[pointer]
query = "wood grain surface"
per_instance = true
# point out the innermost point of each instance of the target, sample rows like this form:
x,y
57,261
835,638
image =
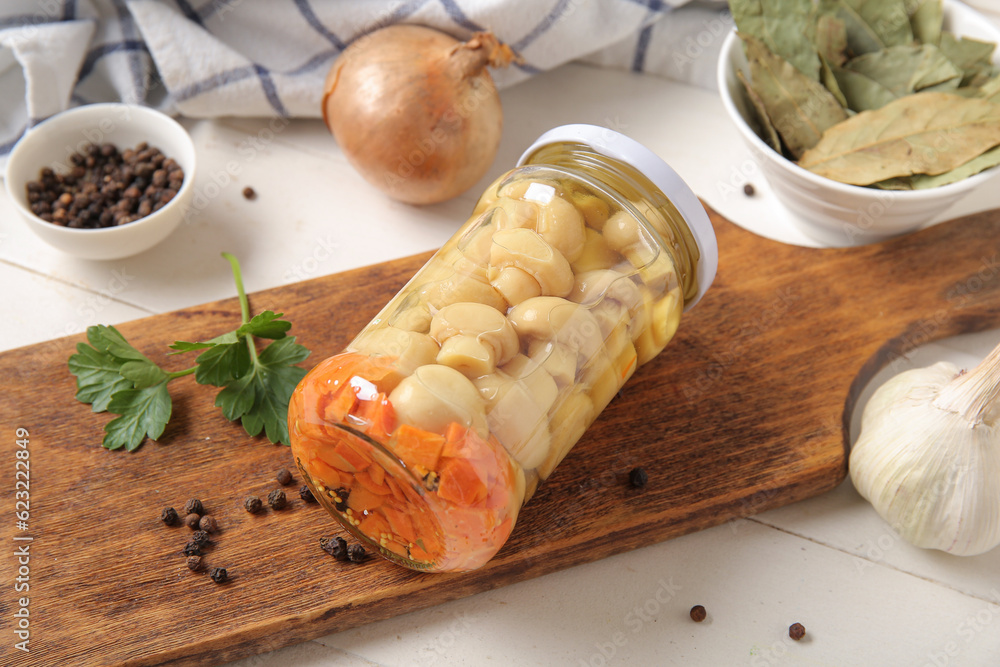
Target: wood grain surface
x,y
743,412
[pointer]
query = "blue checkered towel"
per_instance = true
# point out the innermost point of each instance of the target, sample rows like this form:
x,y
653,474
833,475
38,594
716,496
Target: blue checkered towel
x,y
207,58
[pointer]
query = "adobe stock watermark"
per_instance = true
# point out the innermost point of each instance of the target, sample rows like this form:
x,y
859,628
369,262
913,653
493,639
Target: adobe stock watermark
x,y
633,623
967,630
694,47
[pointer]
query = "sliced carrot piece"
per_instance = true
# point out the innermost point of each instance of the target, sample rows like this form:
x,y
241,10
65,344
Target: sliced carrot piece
x,y
361,499
397,491
395,547
400,523
374,525
461,483
378,476
340,404
379,414
322,471
366,479
417,447
354,459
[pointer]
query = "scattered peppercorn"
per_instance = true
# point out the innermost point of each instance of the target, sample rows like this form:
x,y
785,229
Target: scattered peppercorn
x,y
306,494
431,481
637,477
194,506
748,190
169,516
192,520
219,575
340,499
252,504
249,193
276,499
194,563
698,613
208,524
335,546
105,187
284,477
796,631
200,537
356,553
192,548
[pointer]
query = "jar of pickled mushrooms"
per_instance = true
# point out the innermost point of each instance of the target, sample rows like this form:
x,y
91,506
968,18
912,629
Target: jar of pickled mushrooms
x,y
436,424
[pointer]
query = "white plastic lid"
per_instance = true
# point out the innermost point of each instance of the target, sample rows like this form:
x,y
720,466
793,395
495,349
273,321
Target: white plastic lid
x,y
618,146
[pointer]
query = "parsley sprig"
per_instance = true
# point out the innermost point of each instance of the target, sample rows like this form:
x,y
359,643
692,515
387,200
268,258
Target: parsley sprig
x,y
113,376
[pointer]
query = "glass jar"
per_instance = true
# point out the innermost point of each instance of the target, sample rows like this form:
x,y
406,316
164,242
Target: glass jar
x,y
427,435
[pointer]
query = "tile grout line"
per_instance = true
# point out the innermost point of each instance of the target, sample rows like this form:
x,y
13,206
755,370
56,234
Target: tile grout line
x,y
82,288
884,564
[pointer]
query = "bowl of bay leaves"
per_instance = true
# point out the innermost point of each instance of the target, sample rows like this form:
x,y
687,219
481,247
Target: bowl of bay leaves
x,y
869,120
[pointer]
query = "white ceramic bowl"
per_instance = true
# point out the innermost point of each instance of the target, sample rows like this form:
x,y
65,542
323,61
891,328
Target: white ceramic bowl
x,y
50,143
834,212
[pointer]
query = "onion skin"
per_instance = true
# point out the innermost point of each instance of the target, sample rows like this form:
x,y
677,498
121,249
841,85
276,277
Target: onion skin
x,y
416,111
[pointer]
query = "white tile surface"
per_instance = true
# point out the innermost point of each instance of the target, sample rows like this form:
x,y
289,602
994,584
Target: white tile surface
x,y
865,597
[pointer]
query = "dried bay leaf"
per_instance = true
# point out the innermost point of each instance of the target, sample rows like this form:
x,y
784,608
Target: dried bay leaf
x,y
924,133
800,108
765,129
784,26
969,55
829,80
926,17
861,92
831,39
871,25
990,158
907,69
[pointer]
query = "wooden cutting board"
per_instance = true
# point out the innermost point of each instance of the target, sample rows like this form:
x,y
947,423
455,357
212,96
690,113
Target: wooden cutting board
x,y
744,411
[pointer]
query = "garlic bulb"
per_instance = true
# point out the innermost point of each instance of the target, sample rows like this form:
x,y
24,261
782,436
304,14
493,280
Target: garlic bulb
x,y
928,456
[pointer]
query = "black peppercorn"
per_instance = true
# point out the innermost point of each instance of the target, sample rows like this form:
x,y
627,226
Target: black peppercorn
x,y
252,504
356,553
306,494
208,524
748,190
219,575
796,631
276,499
335,546
192,548
284,477
637,477
698,613
340,499
249,193
191,521
169,516
194,506
194,563
200,537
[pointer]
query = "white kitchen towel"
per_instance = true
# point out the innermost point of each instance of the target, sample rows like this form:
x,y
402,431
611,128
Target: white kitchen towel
x,y
208,58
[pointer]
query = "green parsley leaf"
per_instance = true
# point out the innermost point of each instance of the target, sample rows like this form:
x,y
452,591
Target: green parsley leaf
x,y
221,364
265,325
142,412
259,398
113,376
97,376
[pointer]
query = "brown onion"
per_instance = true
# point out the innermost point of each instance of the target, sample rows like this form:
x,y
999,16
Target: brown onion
x,y
416,111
